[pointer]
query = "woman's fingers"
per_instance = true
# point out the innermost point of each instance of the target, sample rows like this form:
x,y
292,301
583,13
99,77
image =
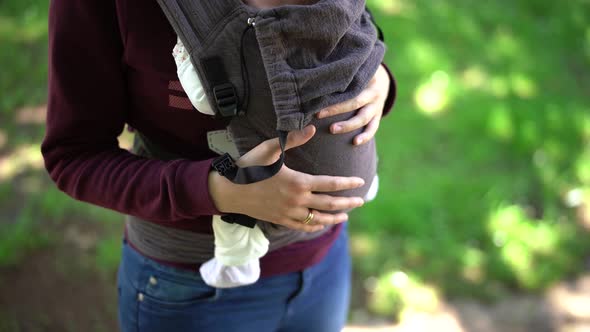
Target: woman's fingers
x,y
362,117
319,218
269,151
319,221
369,106
326,183
333,203
370,131
290,192
298,137
294,139
366,96
299,226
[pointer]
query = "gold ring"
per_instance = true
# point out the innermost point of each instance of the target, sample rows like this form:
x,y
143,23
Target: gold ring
x,y
309,218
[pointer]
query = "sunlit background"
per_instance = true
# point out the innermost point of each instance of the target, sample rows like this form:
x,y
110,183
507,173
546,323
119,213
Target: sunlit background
x,y
483,217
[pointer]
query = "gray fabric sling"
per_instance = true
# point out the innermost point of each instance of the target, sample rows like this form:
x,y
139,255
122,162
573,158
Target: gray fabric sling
x,y
177,245
284,65
270,71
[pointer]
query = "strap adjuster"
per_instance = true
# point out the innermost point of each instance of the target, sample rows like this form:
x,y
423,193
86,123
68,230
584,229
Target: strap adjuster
x,y
226,99
240,219
225,166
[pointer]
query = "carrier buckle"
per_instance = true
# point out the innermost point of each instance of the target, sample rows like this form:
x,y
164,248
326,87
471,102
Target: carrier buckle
x,y
226,99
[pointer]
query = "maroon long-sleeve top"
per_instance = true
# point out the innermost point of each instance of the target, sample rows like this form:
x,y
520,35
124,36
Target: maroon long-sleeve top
x,y
110,64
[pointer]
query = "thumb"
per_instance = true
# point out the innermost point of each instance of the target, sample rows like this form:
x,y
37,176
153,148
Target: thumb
x,y
269,151
299,137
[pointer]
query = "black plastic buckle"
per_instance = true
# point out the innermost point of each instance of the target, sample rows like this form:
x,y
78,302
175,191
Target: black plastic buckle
x,y
224,165
226,99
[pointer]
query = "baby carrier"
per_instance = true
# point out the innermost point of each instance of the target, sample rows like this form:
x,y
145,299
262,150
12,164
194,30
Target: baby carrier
x,y
269,71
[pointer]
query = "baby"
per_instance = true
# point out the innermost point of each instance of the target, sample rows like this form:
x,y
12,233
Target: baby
x,y
271,70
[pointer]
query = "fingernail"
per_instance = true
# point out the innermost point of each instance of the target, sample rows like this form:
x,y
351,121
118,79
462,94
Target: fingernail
x,y
360,182
360,202
336,129
321,114
359,140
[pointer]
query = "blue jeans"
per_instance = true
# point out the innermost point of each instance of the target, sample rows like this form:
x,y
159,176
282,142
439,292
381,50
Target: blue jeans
x,y
154,297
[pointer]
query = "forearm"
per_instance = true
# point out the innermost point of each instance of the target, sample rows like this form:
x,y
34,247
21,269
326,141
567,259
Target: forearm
x,y
87,110
223,193
150,189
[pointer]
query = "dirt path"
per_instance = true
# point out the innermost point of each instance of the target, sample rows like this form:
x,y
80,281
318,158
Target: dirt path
x,y
46,294
563,308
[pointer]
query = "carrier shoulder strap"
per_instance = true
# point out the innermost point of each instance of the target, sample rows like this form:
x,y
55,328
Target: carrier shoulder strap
x,y
223,92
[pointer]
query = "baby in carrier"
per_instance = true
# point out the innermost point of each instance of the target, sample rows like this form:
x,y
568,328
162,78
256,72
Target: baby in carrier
x,y
269,71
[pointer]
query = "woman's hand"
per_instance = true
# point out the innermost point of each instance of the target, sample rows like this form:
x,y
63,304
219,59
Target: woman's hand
x,y
369,103
287,197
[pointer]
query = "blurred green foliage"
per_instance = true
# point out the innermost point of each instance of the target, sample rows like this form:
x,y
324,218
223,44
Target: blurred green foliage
x,y
484,163
32,210
19,237
489,136
23,39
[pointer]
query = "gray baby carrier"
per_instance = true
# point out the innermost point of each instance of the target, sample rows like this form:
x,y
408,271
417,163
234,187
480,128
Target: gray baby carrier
x,y
269,71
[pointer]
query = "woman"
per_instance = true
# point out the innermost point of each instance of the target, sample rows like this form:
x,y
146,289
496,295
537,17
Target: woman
x,y
110,64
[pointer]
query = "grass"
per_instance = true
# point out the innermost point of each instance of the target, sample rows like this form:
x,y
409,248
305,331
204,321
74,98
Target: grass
x,y
489,137
491,130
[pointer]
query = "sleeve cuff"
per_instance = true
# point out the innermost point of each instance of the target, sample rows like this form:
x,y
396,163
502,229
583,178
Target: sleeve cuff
x,y
391,96
193,189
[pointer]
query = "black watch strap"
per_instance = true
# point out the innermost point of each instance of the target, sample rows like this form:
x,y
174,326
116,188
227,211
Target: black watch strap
x,y
240,219
226,167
